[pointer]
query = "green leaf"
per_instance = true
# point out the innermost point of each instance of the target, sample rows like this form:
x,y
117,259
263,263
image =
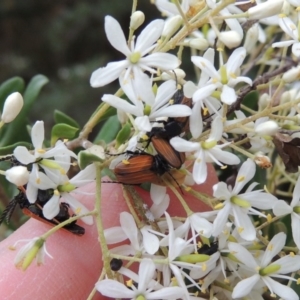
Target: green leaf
x,y
15,84
123,135
61,117
63,131
16,130
109,130
9,149
33,89
85,158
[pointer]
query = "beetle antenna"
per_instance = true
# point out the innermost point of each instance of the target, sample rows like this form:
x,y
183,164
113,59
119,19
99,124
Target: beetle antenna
x,y
169,173
118,182
7,212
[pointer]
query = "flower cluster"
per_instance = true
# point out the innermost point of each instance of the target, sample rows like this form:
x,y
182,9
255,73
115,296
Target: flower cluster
x,y
48,171
172,127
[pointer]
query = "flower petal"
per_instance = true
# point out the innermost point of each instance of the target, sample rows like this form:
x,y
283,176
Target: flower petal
x,y
245,174
157,193
288,263
196,123
235,60
200,168
143,123
105,75
23,155
206,66
128,225
283,291
245,286
149,36
38,134
121,104
221,219
51,208
204,92
114,289
150,241
115,35
228,95
273,248
296,229
146,273
78,208
243,223
183,145
164,61
114,235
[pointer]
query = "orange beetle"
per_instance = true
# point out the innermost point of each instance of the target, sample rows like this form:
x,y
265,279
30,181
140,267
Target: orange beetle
x,y
164,149
141,168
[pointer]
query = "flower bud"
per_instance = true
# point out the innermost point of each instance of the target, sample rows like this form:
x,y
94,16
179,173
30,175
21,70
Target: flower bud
x,y
137,19
263,101
265,10
230,38
180,74
17,175
198,43
292,75
171,26
12,106
288,96
267,128
251,38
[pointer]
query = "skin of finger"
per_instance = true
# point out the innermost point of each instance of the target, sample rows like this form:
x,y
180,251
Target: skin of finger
x,y
77,261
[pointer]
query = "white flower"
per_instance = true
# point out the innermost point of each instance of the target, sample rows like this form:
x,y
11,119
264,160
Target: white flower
x,y
141,241
12,107
225,79
152,106
63,188
35,248
179,247
37,179
207,151
264,10
135,61
147,288
199,225
240,205
255,131
281,208
207,105
169,9
264,269
291,29
17,175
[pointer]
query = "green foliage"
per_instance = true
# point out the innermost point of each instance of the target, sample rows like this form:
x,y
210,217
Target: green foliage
x,y
60,117
62,131
10,148
109,130
123,135
85,158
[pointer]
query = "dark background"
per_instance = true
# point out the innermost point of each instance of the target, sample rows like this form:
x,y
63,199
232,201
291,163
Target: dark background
x,y
65,41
